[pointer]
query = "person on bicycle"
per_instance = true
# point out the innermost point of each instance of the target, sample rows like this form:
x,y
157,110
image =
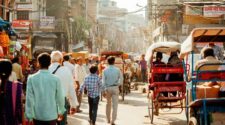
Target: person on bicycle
x,y
208,57
158,63
218,51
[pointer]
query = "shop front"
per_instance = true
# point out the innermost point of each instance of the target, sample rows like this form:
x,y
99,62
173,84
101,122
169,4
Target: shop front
x,y
44,42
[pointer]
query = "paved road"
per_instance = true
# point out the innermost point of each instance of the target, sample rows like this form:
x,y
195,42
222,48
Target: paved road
x,y
132,111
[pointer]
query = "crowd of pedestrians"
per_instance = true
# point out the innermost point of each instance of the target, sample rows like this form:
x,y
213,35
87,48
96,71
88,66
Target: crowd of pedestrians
x,y
54,87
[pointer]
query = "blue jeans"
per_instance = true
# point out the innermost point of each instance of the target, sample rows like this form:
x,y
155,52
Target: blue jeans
x,y
93,108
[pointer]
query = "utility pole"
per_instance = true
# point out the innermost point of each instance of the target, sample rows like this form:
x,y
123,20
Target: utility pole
x,y
70,26
86,10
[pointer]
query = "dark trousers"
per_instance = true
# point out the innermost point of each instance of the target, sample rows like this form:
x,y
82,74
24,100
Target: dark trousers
x,y
93,108
37,122
64,121
221,93
143,75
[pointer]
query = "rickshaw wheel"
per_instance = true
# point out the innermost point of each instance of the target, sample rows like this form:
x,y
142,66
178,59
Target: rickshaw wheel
x,y
193,121
187,109
150,106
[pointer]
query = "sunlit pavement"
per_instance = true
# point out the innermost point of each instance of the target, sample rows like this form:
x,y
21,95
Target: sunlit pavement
x,y
132,111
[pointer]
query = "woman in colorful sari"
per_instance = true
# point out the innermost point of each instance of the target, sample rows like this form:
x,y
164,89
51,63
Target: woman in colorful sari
x,y
10,96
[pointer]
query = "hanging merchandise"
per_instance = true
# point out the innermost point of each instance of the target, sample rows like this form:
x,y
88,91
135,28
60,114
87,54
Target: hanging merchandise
x,y
18,46
1,52
4,42
12,47
4,39
24,57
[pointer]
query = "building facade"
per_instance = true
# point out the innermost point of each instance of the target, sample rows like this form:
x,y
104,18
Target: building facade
x,y
179,17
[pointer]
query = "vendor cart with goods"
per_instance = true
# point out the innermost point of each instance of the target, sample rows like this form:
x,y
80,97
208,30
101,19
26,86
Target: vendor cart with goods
x,y
205,82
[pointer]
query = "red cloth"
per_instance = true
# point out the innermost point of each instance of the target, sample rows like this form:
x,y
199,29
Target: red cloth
x,y
1,52
5,50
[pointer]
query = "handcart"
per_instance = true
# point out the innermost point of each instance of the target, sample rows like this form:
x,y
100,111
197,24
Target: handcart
x,y
158,87
203,101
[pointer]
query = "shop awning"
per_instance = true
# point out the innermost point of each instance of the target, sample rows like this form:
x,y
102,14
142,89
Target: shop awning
x,y
45,35
4,23
79,45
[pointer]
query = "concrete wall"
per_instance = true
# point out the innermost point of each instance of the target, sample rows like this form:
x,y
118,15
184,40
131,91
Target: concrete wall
x,y
56,8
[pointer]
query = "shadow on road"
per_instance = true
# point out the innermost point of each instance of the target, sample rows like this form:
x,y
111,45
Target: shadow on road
x,y
172,120
99,114
135,98
133,102
167,119
80,118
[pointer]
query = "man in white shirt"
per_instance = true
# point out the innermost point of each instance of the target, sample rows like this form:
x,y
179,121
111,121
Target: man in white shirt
x,y
218,51
80,74
87,65
68,64
66,79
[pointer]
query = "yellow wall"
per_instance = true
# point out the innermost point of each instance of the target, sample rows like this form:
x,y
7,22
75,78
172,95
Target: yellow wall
x,y
196,19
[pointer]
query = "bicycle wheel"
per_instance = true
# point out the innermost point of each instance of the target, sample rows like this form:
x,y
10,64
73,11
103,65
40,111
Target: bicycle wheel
x,y
151,107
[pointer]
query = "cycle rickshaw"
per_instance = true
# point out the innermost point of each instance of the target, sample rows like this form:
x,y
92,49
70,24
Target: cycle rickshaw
x,y
119,62
158,87
203,102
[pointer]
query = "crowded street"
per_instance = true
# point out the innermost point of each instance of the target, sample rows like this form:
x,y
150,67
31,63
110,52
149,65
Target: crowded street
x,y
132,111
112,62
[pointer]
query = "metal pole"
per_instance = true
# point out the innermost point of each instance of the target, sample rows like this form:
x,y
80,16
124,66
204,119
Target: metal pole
x,y
71,36
177,25
155,17
86,9
70,21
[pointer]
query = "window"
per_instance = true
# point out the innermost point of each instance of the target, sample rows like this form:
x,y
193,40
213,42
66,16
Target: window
x,y
22,15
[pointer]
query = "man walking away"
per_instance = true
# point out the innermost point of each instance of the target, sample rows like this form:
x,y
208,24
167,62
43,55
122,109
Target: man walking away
x,y
66,79
44,100
93,84
17,69
112,77
143,65
68,64
80,74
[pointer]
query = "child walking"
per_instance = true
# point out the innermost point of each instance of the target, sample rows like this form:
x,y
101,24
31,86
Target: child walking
x,y
93,84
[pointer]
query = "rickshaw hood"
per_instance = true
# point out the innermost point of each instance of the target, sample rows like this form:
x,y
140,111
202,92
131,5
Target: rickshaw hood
x,y
164,47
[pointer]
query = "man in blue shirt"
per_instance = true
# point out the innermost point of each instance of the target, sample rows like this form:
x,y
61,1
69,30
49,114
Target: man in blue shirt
x,y
93,84
44,100
111,78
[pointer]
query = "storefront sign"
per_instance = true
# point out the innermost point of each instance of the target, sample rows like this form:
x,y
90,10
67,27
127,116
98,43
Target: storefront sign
x,y
214,11
47,22
23,41
191,10
24,7
21,24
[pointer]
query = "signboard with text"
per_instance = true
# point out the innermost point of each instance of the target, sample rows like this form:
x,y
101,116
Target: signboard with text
x,y
24,7
22,24
47,22
213,11
189,10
